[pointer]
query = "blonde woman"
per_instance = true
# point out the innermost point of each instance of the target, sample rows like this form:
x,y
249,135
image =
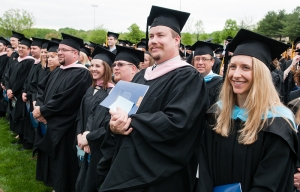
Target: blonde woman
x,y
250,138
84,57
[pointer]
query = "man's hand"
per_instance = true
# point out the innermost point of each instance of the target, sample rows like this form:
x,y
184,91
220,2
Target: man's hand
x,y
87,149
119,122
36,112
24,98
10,94
79,141
297,179
42,119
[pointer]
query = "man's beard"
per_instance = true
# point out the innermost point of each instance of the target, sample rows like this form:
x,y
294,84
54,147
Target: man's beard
x,y
63,62
156,57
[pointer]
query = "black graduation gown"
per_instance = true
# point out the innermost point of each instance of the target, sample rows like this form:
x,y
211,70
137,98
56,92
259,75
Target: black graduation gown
x,y
289,82
3,64
41,74
91,117
160,153
30,87
214,87
217,65
59,97
266,165
277,77
114,51
15,78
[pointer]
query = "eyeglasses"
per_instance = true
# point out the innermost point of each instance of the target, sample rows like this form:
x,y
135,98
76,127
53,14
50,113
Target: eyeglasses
x,y
63,50
119,64
203,59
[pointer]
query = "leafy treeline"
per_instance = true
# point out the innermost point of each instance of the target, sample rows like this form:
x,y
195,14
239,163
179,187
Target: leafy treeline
x,y
275,24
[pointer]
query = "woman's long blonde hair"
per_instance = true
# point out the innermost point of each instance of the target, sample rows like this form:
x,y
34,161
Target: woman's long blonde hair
x,y
261,98
85,58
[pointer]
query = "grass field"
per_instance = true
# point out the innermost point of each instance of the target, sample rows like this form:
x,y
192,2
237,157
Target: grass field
x,y
17,168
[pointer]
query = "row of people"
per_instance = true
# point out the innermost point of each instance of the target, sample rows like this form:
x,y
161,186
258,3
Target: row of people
x,y
245,135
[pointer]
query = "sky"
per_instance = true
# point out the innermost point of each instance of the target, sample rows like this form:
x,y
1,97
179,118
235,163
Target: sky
x,y
118,15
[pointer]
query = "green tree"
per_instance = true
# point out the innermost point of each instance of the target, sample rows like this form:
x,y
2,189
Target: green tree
x,y
16,20
186,39
217,37
230,29
292,24
98,35
272,24
135,34
199,29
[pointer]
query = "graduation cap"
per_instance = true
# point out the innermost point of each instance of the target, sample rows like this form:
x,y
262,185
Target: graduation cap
x,y
144,40
92,44
72,41
37,42
45,44
52,46
25,41
86,50
297,40
255,45
219,50
229,38
128,42
4,41
123,42
104,55
56,40
182,46
17,35
141,45
130,55
9,46
112,34
167,17
202,48
160,16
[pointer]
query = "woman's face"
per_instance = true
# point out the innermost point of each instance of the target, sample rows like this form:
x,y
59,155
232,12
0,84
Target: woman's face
x,y
52,60
240,74
81,58
146,63
44,54
97,69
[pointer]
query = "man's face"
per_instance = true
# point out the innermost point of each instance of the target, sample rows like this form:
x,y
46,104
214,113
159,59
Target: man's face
x,y
123,70
66,54
111,41
162,45
9,51
35,51
14,42
203,63
23,50
2,47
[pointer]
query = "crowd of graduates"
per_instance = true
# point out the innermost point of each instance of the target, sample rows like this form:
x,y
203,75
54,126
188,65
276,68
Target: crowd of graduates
x,y
213,115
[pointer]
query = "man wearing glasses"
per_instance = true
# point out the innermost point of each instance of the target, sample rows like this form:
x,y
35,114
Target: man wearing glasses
x,y
159,142
58,102
203,61
126,63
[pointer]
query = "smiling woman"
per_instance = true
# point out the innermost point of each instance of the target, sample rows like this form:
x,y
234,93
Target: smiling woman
x,y
250,134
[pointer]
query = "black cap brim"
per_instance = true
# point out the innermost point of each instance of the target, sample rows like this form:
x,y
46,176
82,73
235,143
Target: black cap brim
x,y
160,16
4,41
37,42
72,41
130,55
202,48
86,50
25,41
255,45
52,46
17,35
115,35
104,55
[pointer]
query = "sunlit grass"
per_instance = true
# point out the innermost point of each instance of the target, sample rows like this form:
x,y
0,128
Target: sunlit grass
x,y
17,168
